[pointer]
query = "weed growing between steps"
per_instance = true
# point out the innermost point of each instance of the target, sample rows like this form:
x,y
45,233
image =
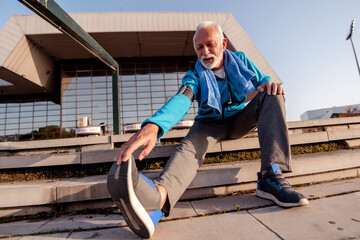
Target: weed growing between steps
x,y
256,154
74,171
53,173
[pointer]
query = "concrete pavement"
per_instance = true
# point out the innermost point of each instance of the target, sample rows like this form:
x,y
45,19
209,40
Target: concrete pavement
x,y
333,213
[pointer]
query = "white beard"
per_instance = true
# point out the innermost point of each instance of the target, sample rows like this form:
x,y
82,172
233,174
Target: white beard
x,y
210,65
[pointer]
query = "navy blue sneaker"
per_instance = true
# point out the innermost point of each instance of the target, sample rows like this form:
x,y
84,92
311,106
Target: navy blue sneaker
x,y
137,197
275,187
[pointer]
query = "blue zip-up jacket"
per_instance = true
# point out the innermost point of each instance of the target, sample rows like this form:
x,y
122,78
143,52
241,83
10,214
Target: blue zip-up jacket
x,y
233,102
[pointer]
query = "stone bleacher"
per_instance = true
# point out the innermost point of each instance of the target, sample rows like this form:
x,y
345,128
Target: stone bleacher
x,y
23,198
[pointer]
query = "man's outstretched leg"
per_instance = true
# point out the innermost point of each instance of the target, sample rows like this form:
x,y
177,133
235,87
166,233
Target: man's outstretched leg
x,y
139,200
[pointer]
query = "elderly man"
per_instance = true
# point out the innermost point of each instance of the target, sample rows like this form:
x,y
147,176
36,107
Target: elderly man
x,y
219,83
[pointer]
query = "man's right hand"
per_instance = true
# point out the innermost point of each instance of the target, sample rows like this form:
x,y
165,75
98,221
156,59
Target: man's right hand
x,y
146,136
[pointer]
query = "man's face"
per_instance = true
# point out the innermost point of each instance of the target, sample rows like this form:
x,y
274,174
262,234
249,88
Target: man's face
x,y
209,48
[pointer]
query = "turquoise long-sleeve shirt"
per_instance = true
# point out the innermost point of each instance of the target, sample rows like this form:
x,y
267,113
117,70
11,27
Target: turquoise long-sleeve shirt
x,y
233,102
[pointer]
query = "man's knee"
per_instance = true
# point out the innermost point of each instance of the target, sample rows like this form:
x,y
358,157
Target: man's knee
x,y
276,98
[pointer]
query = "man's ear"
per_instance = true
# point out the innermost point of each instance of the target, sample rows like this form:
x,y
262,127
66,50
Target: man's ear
x,y
224,43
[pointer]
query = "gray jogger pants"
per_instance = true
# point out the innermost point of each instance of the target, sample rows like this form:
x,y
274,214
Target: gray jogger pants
x,y
267,113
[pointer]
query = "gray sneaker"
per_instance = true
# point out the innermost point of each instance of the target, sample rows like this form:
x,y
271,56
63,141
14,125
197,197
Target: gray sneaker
x,y
275,187
137,197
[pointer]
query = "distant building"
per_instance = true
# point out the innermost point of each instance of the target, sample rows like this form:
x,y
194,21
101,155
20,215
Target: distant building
x,y
329,112
48,81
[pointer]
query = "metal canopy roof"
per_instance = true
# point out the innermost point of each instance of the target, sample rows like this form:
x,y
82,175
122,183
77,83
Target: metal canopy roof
x,y
30,48
119,44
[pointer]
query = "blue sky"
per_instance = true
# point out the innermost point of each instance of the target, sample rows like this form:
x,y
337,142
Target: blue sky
x,y
304,41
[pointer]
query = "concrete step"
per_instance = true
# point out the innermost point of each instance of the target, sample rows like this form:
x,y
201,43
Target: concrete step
x,y
23,198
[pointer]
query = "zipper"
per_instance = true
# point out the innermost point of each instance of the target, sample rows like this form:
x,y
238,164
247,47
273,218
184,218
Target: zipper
x,y
222,112
229,88
230,95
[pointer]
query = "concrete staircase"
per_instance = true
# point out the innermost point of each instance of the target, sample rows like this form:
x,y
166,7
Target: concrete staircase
x,y
26,198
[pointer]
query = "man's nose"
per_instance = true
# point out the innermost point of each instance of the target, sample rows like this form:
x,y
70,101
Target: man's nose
x,y
205,51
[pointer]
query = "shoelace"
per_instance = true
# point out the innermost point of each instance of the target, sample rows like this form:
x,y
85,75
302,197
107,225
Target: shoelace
x,y
278,179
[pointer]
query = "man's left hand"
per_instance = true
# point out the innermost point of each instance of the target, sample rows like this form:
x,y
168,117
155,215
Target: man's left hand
x,y
271,88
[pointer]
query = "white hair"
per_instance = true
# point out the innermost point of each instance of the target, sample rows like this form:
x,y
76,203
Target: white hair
x,y
207,24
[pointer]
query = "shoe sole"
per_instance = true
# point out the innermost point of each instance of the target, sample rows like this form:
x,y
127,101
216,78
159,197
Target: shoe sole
x,y
132,210
271,197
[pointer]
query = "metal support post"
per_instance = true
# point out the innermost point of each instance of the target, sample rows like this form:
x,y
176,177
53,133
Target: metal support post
x,y
352,44
357,62
115,93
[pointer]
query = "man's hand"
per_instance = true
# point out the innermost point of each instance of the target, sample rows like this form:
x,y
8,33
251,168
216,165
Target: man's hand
x,y
146,136
271,88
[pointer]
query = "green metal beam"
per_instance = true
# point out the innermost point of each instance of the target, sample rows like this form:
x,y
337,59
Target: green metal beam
x,y
56,16
115,94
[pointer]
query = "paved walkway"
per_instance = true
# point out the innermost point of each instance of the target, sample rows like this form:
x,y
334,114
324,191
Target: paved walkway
x,y
333,213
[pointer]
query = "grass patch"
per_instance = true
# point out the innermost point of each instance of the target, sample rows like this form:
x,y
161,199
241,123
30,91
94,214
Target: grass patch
x,y
53,173
232,156
320,147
